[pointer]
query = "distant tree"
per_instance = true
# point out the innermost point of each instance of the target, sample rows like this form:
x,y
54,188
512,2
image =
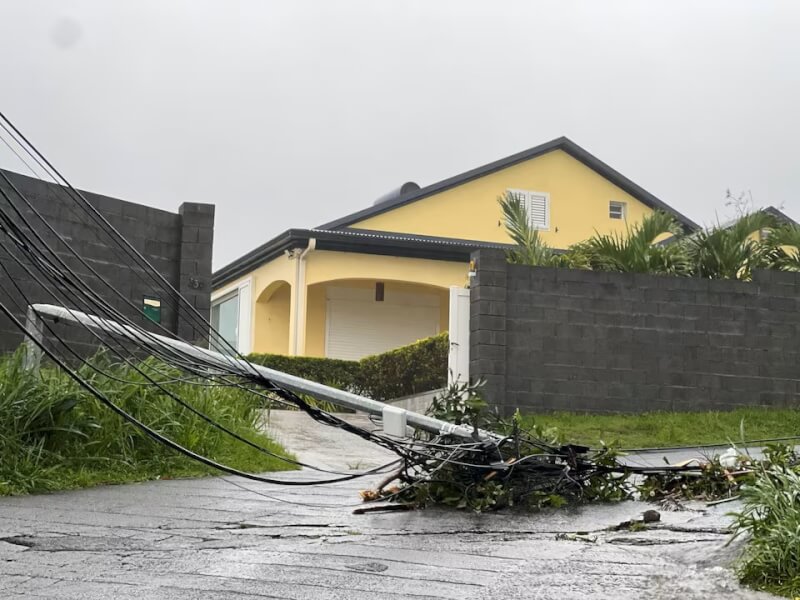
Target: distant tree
x,y
731,251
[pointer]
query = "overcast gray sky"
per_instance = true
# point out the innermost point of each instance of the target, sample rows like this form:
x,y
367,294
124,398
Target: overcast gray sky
x,y
290,114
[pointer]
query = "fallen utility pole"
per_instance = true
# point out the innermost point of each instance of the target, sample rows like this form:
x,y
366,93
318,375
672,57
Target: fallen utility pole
x,y
398,417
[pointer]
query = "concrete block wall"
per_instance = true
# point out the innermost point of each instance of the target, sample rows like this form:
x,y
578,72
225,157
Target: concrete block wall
x,y
559,339
177,245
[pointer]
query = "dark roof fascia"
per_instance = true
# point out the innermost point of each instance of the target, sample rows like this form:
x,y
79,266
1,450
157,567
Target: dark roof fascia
x,y
289,239
779,214
359,241
561,143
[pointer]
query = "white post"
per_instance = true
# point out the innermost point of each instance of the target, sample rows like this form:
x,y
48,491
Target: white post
x,y
458,359
34,326
245,324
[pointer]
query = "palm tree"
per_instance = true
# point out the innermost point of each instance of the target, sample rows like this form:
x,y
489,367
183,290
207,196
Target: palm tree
x,y
637,250
783,248
531,249
730,252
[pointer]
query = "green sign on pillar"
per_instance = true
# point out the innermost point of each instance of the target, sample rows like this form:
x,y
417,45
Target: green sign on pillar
x,y
152,309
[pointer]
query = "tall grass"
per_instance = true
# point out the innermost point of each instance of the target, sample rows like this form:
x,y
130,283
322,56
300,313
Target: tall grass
x,y
55,435
771,518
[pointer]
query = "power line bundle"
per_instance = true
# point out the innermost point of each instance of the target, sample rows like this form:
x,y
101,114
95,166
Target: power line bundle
x,y
31,247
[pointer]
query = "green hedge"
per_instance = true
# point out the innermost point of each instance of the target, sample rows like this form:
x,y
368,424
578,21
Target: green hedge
x,y
418,367
340,374
412,369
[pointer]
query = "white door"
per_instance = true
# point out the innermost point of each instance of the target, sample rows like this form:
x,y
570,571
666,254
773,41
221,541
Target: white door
x,y
359,326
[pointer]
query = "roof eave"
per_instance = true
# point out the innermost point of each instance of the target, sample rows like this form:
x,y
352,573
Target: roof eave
x,y
364,242
291,238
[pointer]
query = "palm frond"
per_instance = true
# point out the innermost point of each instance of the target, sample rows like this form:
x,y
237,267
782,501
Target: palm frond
x,y
783,248
530,248
731,252
636,251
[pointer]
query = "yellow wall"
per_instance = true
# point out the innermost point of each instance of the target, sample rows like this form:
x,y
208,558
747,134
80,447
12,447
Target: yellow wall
x,y
579,199
326,266
273,291
271,316
266,275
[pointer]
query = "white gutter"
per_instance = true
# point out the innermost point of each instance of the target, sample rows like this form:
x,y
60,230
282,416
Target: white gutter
x,y
300,295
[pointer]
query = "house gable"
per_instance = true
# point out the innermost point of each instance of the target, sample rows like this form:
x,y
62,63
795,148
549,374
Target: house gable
x,y
578,187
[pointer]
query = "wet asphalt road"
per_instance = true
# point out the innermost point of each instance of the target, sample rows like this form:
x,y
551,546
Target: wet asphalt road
x,y
226,538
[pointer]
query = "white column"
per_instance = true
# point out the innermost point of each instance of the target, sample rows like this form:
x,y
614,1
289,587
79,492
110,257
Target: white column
x,y
458,359
245,326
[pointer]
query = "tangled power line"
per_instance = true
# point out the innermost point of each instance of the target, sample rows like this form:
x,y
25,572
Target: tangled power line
x,y
464,459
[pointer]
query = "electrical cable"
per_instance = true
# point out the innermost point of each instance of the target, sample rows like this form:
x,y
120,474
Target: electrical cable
x,y
188,406
153,433
420,460
103,223
27,248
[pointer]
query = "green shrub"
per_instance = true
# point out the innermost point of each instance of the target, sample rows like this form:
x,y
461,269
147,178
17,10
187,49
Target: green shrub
x,y
771,517
418,367
55,435
341,374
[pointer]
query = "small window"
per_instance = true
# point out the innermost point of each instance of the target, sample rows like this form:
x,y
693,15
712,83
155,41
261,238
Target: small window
x,y
537,205
616,210
225,323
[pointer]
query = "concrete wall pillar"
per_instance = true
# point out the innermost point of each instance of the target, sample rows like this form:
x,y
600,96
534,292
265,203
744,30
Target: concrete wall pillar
x,y
197,237
487,356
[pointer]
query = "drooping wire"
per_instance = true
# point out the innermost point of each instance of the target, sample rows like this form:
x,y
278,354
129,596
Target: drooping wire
x,y
30,248
100,220
157,384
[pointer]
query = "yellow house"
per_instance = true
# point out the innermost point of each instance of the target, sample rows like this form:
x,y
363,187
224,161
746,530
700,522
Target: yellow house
x,y
379,278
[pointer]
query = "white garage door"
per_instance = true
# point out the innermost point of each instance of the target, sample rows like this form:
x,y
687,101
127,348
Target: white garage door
x,y
358,325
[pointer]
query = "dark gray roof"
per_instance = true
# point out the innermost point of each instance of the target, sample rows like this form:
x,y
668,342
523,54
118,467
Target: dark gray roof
x,y
770,210
780,215
354,240
561,143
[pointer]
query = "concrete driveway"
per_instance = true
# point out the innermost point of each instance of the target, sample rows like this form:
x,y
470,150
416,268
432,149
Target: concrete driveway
x,y
226,538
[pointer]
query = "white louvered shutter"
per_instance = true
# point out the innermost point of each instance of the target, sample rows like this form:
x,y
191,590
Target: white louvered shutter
x,y
537,205
539,210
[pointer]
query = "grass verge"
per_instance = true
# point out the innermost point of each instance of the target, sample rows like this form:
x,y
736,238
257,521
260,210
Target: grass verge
x,y
671,429
56,436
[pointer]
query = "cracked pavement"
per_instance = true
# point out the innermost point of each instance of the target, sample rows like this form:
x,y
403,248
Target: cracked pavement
x,y
214,539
